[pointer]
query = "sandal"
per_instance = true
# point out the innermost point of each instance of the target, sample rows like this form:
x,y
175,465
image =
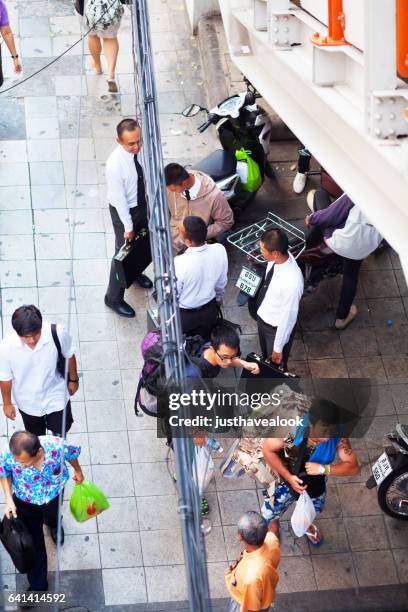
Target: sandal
x,y
205,507
112,87
312,534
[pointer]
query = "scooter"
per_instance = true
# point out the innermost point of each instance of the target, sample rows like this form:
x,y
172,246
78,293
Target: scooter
x,y
239,122
390,475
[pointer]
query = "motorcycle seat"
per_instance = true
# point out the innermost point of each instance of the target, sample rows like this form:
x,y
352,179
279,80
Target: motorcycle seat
x,y
218,165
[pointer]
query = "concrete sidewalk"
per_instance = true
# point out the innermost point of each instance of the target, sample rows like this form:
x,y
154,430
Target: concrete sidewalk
x,y
132,555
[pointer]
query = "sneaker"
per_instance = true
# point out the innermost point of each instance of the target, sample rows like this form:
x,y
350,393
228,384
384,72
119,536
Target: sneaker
x,y
310,199
299,182
342,323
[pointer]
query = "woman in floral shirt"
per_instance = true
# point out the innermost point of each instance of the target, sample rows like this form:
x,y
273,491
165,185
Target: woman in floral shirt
x,y
33,472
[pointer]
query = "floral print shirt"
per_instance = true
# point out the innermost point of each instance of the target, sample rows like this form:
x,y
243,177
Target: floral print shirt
x,y
40,486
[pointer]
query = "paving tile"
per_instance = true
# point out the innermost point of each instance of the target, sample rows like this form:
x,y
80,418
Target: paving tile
x,y
366,533
387,309
328,368
400,397
379,402
379,283
359,344
141,421
397,532
105,415
93,352
109,447
89,245
16,248
46,173
124,586
357,500
162,547
34,26
72,527
233,504
18,274
39,46
130,379
121,516
334,571
215,546
120,549
41,128
396,367
92,272
375,568
12,120
51,221
56,300
14,174
164,514
102,385
7,566
60,44
65,25
80,552
14,198
79,414
166,583
52,247
98,327
392,339
13,151
40,106
14,298
296,575
53,273
87,220
45,151
86,196
47,196
325,344
81,172
402,283
71,151
90,301
335,537
369,367
115,480
129,354
70,86
401,563
152,479
146,447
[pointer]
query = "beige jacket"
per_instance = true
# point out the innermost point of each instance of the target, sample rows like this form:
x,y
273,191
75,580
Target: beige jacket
x,y
210,204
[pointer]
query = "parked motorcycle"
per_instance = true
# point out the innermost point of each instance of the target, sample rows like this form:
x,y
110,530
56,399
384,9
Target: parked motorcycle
x,y
390,475
239,122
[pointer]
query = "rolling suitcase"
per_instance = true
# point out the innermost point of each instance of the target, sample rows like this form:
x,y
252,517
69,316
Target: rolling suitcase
x,y
133,258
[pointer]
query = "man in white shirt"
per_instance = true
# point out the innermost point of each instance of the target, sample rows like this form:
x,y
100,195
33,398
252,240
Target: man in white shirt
x,y
201,273
279,297
127,205
32,370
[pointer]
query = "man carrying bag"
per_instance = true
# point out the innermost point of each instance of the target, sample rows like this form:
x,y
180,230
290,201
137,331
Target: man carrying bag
x,y
128,209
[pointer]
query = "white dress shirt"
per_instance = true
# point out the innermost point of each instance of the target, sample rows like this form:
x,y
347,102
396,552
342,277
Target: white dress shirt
x,y
37,387
195,189
201,275
280,305
121,180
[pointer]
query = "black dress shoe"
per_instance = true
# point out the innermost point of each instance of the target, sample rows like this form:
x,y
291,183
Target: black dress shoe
x,y
144,281
54,533
121,308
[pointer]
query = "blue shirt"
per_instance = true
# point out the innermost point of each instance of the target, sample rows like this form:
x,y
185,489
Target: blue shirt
x,y
40,486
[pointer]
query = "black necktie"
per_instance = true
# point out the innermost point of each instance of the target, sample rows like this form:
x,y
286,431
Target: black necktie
x,y
188,196
141,190
264,288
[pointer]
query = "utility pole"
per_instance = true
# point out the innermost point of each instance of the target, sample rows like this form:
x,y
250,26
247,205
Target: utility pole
x,y
162,254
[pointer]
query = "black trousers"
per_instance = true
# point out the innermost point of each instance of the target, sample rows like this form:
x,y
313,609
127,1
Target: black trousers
x,y
267,335
115,292
351,267
53,422
199,322
34,517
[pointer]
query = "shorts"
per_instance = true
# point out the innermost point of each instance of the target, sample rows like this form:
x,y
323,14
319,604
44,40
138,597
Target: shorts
x,y
110,32
283,499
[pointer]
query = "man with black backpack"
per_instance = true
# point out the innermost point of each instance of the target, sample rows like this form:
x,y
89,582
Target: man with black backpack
x,y
32,368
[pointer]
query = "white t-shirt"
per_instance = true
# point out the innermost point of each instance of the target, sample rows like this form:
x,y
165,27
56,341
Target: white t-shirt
x,y
37,387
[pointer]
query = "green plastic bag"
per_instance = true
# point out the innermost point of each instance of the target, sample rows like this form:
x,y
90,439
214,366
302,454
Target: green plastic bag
x,y
87,500
248,170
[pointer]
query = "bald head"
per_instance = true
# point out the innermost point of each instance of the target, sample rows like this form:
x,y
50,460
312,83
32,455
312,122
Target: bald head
x,y
24,442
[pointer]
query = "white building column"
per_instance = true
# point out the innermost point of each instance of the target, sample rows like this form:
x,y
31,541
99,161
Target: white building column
x,y
200,8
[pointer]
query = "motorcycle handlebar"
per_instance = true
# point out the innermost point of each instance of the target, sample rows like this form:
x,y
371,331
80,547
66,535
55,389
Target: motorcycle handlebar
x,y
204,126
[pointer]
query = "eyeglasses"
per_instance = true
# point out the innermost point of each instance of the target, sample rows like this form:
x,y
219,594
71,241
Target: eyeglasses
x,y
228,357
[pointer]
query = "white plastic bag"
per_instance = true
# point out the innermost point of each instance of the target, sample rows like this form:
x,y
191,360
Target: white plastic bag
x,y
203,468
242,171
303,514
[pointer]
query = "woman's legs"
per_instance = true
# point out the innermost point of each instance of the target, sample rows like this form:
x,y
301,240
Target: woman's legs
x,y
351,269
111,50
95,49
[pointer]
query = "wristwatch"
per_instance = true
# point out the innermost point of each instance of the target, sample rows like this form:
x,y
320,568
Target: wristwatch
x,y
74,380
14,56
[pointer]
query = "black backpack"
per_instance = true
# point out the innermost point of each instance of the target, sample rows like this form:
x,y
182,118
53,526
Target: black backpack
x,y
18,542
152,379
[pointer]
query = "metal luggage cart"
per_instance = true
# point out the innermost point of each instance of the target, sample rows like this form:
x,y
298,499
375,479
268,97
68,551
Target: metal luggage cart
x,y
247,239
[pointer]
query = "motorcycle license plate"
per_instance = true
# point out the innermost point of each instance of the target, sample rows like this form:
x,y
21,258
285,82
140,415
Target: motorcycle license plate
x,y
248,281
381,468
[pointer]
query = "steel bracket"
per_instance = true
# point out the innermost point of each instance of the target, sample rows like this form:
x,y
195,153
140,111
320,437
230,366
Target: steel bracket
x,y
283,28
388,108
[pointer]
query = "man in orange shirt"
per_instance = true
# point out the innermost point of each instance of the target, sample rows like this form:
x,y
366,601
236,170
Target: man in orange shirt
x,y
252,580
